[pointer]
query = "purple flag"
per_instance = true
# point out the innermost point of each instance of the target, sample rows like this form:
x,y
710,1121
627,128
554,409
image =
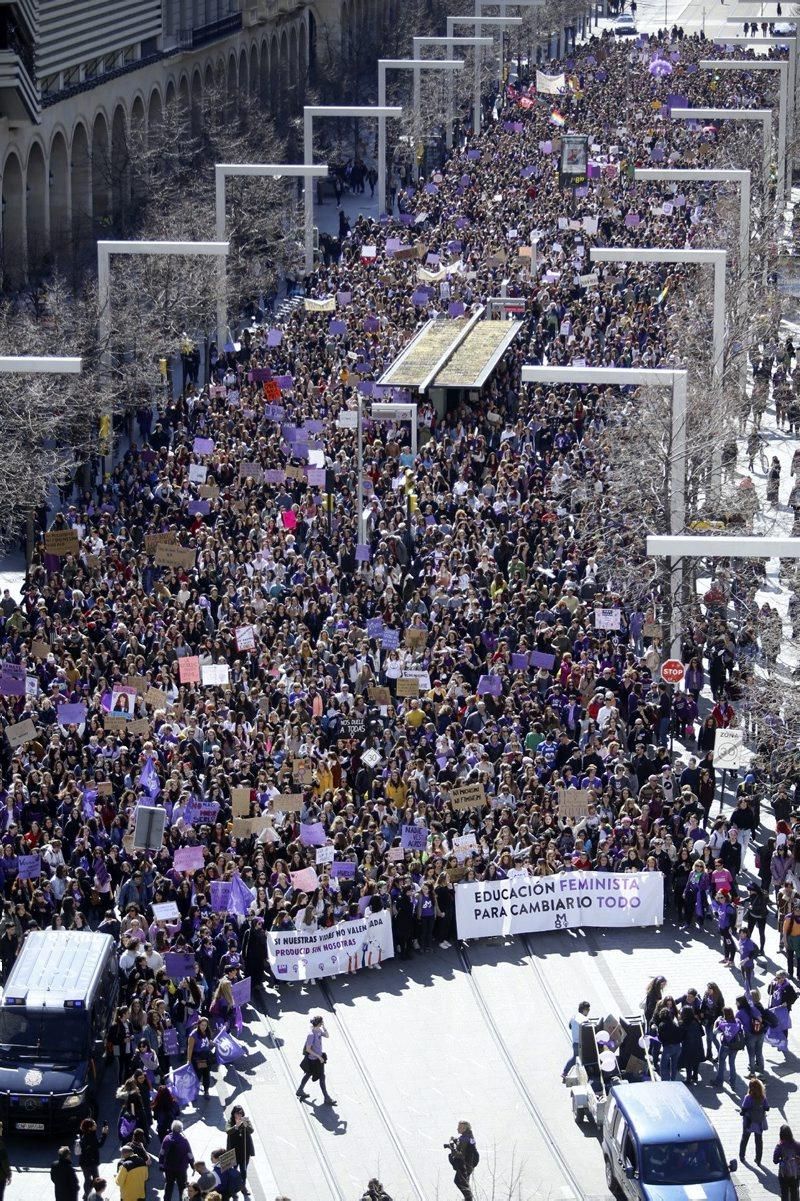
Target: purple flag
x,y
148,779
240,897
184,1084
229,1049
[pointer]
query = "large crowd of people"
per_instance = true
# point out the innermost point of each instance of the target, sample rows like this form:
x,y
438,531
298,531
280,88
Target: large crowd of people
x,y
224,642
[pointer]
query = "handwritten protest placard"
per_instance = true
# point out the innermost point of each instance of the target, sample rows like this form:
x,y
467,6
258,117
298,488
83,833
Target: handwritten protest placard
x,y
305,880
188,859
408,686
240,802
189,669
61,543
20,733
468,796
573,803
174,556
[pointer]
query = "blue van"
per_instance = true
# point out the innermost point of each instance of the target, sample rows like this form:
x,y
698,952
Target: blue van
x,y
56,1008
658,1145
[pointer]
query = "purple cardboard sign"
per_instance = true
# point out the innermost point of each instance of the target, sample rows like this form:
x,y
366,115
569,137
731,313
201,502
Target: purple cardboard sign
x,y
199,813
198,508
390,640
420,297
178,965
519,662
337,327
274,337
314,427
527,172
431,189
289,433
241,992
284,381
363,552
413,838
473,155
343,299
71,715
220,895
299,450
260,375
371,324
274,412
203,446
540,659
274,475
188,859
461,222
312,834
170,1039
346,871
375,627
29,867
491,685
12,680
365,387
456,309
316,477
632,220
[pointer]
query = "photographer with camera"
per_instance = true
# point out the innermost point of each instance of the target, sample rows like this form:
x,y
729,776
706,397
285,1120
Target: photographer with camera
x,y
314,1060
464,1158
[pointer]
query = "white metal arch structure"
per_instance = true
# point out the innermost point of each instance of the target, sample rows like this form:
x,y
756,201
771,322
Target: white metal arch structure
x,y
763,64
311,111
479,24
419,43
764,115
264,170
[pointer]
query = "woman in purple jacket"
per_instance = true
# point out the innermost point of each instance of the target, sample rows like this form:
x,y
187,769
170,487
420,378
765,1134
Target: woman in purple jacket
x,y
731,1043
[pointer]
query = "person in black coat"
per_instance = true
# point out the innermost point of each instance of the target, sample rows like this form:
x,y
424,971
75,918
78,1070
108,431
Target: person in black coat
x,y
404,923
239,1138
254,949
692,1050
64,1176
90,1143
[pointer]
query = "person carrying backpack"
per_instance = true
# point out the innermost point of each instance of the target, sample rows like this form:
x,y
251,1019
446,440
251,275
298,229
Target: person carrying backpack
x,y
787,1156
375,1192
464,1159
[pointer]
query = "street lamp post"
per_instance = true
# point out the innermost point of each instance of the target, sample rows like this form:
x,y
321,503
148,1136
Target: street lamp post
x,y
764,115
263,170
328,110
727,64
449,44
479,24
766,41
403,64
503,6
648,378
791,43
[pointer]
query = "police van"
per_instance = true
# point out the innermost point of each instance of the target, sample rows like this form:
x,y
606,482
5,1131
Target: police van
x,y
56,1008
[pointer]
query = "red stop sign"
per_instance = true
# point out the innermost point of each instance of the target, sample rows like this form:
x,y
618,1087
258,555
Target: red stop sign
x,y
672,671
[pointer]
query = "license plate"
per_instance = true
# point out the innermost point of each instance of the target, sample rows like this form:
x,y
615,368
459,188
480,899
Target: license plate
x,y
29,1125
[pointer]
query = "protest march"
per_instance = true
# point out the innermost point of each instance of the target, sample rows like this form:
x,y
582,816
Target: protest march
x,y
259,749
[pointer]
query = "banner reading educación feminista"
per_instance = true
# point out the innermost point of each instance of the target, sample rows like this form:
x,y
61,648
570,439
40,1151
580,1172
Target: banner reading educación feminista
x,y
529,904
345,947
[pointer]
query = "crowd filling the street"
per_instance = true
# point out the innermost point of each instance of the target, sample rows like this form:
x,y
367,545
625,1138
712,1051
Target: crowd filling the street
x,y
263,727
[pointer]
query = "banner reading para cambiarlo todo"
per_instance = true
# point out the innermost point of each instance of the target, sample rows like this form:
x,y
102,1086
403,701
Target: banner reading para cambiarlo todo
x,y
567,901
345,947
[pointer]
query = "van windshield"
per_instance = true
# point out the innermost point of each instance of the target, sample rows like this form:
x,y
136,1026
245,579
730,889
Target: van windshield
x,y
684,1163
58,1036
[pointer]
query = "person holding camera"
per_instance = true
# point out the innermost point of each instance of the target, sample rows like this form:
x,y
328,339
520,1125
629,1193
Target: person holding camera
x,y
314,1060
464,1158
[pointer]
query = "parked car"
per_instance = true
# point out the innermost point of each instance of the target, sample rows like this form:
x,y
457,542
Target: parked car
x,y
624,25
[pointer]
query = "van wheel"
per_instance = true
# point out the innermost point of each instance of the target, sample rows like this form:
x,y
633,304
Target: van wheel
x,y
613,1187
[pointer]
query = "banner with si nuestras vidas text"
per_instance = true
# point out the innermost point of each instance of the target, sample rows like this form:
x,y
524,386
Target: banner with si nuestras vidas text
x,y
525,904
345,947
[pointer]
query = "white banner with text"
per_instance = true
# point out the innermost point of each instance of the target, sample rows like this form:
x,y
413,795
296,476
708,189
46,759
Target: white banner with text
x,y
345,947
525,904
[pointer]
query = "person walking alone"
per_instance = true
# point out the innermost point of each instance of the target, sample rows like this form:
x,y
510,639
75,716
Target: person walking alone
x,y
175,1160
787,1156
575,1024
464,1159
239,1138
754,1118
314,1060
64,1176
